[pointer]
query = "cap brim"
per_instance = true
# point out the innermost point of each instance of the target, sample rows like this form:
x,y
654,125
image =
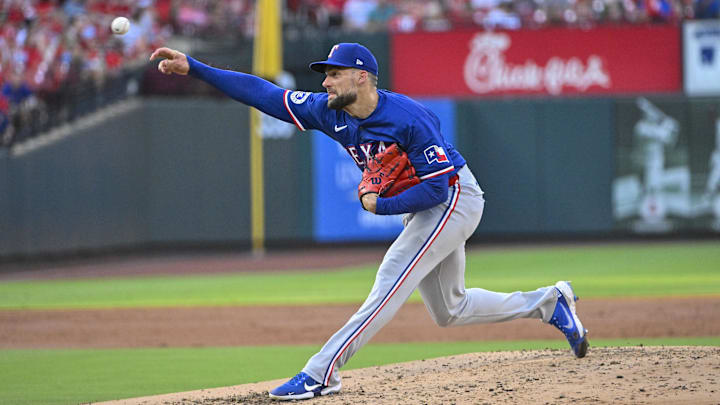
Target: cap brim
x,y
320,66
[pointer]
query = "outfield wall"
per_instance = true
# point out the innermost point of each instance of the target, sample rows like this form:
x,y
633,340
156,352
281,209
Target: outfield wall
x,y
175,172
160,173
545,165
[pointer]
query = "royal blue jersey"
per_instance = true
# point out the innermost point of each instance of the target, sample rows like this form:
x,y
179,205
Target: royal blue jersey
x,y
396,119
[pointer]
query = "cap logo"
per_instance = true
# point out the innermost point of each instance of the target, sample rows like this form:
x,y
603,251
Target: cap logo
x,y
358,62
335,47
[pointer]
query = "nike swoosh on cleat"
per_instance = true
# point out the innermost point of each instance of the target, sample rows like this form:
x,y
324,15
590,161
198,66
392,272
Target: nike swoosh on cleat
x,y
311,387
569,318
338,129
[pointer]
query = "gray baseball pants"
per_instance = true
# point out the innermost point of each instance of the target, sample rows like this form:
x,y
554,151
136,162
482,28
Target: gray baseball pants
x,y
429,255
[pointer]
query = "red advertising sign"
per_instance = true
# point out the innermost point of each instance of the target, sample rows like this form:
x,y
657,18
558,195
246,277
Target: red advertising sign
x,y
554,61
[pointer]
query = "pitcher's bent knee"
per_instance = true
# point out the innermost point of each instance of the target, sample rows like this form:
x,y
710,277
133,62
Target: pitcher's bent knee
x,y
445,321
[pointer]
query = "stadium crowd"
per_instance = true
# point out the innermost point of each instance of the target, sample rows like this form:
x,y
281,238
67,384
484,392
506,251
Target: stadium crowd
x,y
53,52
412,15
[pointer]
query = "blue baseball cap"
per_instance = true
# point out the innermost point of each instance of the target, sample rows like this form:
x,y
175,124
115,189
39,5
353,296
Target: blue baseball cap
x,y
351,55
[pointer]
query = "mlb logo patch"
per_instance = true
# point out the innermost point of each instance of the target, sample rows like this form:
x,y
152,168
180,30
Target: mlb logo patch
x,y
435,154
299,97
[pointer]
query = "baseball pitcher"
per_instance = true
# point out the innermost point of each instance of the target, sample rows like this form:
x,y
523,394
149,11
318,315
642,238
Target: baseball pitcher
x,y
408,168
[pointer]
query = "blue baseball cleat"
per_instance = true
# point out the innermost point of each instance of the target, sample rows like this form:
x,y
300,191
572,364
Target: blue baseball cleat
x,y
565,319
302,386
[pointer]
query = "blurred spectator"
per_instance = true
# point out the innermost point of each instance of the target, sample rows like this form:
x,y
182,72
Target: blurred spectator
x,y
21,103
658,10
16,90
192,17
434,17
331,12
380,17
501,16
459,13
73,8
356,14
6,129
408,17
319,13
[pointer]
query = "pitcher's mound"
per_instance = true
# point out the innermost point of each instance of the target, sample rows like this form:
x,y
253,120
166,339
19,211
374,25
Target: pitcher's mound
x,y
625,375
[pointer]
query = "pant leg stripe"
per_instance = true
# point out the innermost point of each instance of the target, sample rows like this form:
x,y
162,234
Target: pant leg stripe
x,y
438,228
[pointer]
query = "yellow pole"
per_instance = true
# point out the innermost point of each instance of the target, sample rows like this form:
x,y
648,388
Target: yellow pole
x,y
267,63
257,186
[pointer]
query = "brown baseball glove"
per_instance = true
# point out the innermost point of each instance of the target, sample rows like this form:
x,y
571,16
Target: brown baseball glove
x,y
388,173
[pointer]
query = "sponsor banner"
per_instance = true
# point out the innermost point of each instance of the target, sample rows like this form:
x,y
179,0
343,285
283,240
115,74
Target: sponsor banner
x,y
338,215
554,61
701,57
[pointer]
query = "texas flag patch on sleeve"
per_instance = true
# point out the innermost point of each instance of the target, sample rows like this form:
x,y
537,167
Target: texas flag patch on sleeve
x,y
435,153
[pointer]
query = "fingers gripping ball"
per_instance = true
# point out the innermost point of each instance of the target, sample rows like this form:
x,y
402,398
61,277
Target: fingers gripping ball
x,y
120,25
388,173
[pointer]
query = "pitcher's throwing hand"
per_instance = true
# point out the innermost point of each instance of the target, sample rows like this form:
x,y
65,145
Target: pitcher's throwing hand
x,y
175,61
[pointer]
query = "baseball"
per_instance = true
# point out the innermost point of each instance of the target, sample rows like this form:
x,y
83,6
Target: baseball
x,y
120,25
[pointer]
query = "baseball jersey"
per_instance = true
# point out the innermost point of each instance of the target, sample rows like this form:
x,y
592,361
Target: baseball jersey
x,y
396,119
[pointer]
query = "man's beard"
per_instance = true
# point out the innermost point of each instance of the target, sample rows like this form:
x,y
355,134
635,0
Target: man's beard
x,y
341,101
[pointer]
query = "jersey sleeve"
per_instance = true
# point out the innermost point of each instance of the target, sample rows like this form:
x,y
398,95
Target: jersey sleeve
x,y
427,151
307,110
245,88
304,109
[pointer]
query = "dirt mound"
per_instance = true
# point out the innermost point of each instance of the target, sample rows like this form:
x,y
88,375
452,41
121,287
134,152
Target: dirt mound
x,y
627,375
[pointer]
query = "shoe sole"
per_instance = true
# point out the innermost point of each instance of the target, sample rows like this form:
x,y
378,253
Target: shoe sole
x,y
306,395
292,397
582,350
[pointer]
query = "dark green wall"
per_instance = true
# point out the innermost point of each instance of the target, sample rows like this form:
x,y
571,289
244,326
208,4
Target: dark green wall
x,y
288,187
8,226
158,173
169,171
81,191
545,165
198,171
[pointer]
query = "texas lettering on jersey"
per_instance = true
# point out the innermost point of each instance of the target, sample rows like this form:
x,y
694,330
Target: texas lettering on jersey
x,y
361,153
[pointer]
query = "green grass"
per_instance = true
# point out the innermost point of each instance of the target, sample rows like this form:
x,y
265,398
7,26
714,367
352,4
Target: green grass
x,y
632,270
662,269
74,376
